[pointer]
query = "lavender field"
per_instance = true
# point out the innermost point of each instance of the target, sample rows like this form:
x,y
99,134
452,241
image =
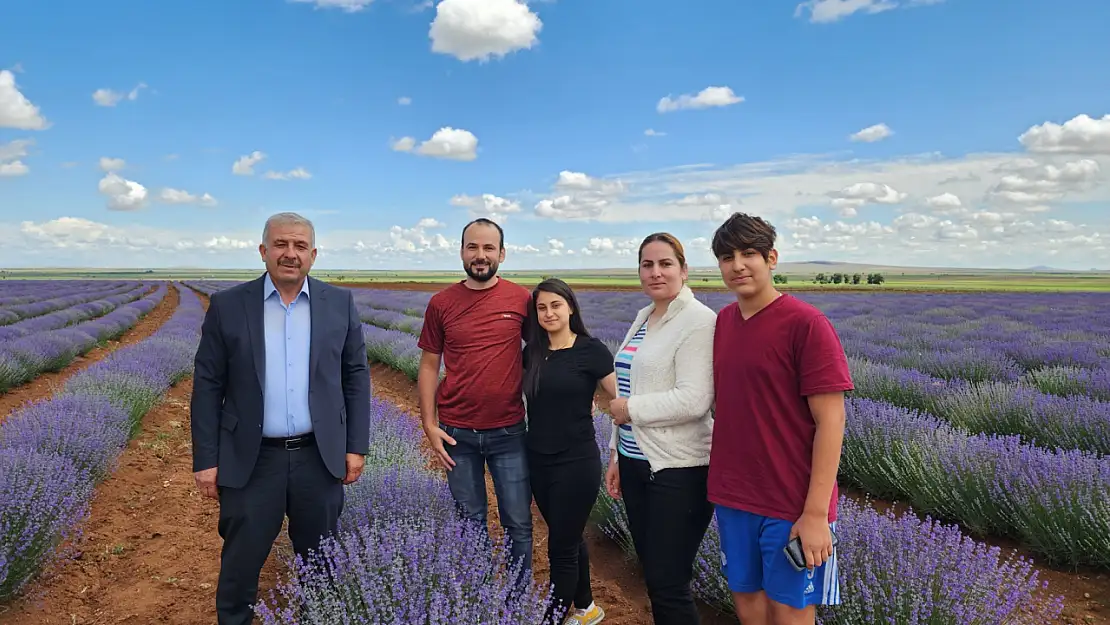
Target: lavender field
x,y
987,414
55,451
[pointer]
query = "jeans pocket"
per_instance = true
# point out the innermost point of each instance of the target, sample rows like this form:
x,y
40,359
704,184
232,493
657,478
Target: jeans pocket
x,y
516,429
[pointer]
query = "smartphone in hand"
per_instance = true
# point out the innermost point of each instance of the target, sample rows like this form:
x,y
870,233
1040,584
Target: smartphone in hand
x,y
794,554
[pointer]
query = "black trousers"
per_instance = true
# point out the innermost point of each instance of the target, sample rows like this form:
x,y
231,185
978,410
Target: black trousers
x,y
285,482
565,486
668,515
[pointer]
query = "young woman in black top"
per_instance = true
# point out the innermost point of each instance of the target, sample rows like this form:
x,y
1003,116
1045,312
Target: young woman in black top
x,y
563,367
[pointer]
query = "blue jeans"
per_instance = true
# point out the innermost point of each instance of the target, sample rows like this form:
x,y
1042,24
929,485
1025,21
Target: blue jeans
x,y
504,451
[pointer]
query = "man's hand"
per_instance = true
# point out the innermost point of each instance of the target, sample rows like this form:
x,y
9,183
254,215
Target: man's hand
x,y
355,463
206,482
619,409
436,438
816,538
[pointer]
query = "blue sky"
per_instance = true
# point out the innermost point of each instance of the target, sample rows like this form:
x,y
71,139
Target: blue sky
x,y
984,130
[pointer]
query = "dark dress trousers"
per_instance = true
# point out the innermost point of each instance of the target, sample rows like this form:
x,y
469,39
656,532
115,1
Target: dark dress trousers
x,y
260,482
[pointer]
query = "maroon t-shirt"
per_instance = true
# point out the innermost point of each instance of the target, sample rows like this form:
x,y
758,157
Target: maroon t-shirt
x,y
763,370
479,333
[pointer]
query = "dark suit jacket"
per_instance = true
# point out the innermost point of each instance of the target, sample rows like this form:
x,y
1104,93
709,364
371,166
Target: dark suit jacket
x,y
230,362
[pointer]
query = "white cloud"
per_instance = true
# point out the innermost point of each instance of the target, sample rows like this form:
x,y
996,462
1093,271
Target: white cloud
x,y
487,205
654,133
480,30
555,247
347,6
16,111
299,173
579,196
1031,183
1081,134
11,155
404,100
710,97
860,194
447,143
245,165
177,196
122,194
416,240
607,246
112,164
13,168
826,11
108,97
871,134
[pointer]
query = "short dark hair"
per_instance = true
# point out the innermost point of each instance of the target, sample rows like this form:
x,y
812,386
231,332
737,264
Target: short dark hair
x,y
743,232
486,222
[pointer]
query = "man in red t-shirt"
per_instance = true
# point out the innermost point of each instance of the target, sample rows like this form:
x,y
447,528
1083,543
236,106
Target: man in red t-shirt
x,y
780,374
475,416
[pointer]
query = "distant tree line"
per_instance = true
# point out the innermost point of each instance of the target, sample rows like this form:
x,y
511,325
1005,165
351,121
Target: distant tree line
x,y
843,278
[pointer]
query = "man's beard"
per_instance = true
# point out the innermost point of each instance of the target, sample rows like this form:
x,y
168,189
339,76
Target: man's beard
x,y
490,271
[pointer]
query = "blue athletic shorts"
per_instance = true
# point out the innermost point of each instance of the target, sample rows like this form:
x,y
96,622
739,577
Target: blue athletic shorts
x,y
752,559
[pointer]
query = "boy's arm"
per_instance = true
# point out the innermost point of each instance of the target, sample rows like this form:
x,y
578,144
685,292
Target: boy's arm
x,y
829,415
824,377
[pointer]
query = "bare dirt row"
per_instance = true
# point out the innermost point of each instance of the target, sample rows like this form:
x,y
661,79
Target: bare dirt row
x,y
46,384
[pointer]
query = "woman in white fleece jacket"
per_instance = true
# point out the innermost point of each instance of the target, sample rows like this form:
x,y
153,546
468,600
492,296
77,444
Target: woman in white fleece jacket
x,y
664,425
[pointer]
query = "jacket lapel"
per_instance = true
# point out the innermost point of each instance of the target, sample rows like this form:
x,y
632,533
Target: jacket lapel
x,y
316,306
256,327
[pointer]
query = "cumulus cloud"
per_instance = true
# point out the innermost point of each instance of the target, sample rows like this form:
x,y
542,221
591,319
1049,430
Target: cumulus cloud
x,y
579,196
871,134
447,143
111,164
1081,134
177,196
710,97
481,30
245,165
487,205
16,111
11,155
122,194
109,98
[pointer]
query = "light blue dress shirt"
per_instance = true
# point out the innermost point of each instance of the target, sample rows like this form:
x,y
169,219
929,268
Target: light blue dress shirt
x,y
288,334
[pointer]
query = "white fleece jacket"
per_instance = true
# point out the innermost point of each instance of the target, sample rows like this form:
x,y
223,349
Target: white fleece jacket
x,y
671,402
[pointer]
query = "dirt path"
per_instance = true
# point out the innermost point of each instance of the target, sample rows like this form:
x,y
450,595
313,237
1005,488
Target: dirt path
x,y
617,583
46,384
150,551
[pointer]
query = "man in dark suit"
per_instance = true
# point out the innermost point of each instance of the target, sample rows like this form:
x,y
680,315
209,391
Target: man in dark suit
x,y
280,410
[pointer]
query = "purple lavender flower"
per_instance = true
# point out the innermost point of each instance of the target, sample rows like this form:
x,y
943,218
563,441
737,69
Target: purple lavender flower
x,y
43,499
89,430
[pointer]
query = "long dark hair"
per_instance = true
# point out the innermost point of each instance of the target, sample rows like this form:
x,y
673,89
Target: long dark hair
x,y
537,346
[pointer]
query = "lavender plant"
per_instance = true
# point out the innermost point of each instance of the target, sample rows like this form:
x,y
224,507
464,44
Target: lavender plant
x,y
43,498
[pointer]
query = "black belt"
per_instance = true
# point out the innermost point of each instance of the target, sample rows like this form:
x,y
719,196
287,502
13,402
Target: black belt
x,y
291,442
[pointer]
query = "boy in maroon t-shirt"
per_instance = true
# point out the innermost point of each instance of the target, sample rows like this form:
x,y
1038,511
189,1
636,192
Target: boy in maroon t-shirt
x,y
475,416
780,374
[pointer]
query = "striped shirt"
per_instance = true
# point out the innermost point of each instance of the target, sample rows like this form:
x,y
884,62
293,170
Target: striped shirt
x,y
626,440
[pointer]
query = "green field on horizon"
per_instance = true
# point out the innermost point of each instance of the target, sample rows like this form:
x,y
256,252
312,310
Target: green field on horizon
x,y
895,278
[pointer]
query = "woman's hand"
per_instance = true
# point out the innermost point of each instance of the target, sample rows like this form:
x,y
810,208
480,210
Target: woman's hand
x,y
618,408
613,477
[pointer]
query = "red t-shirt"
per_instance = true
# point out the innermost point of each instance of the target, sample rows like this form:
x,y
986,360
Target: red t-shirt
x,y
479,334
763,369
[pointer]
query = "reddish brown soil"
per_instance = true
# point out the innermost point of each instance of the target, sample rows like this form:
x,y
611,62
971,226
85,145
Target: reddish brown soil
x,y
46,384
150,551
